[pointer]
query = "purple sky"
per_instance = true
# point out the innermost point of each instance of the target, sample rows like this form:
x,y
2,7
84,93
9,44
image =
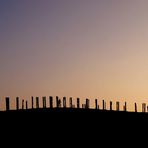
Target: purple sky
x,y
85,48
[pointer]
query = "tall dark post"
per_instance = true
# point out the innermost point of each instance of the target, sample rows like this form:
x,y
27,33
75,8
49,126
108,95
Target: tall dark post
x,y
17,103
64,102
96,103
22,104
37,102
7,104
103,104
44,102
87,104
32,102
125,107
26,105
111,104
135,107
51,101
57,101
70,102
78,102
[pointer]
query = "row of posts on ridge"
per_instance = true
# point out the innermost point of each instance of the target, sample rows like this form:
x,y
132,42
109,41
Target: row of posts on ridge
x,y
36,105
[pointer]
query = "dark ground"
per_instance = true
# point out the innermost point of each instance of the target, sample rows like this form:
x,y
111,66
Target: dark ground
x,y
73,126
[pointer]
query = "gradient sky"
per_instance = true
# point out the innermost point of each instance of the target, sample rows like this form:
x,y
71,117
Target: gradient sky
x,y
79,48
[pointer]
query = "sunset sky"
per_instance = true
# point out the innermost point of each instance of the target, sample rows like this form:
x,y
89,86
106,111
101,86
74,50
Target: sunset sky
x,y
79,48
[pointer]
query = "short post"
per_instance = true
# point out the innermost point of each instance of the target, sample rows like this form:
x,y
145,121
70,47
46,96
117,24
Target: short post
x,y
22,104
7,104
51,101
125,107
57,101
26,105
103,104
87,104
37,102
96,104
32,102
17,103
135,107
70,102
64,102
44,102
78,102
111,108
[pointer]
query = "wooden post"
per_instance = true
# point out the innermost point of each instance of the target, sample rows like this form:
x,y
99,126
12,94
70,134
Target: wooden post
x,y
32,102
78,102
125,107
57,101
37,102
17,103
44,102
87,104
22,104
7,104
135,107
103,104
70,102
96,103
51,101
26,105
111,108
64,102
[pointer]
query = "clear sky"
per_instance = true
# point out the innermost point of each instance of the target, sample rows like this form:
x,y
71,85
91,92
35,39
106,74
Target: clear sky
x,y
85,48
